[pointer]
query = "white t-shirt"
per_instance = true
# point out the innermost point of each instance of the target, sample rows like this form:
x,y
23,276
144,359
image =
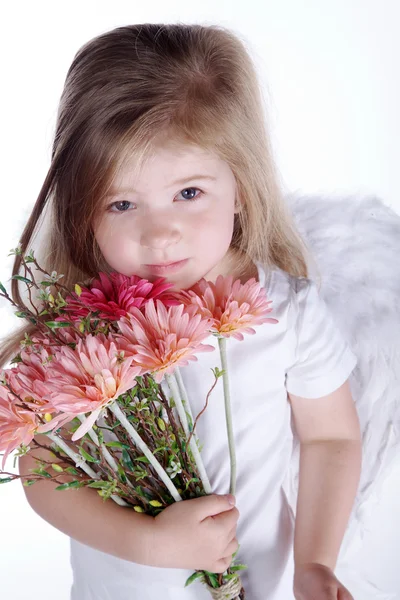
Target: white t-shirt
x,y
303,354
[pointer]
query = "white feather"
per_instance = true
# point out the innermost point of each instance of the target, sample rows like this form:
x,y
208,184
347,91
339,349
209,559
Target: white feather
x,y
356,246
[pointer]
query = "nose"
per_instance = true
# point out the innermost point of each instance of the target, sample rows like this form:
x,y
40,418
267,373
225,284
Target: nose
x,y
159,236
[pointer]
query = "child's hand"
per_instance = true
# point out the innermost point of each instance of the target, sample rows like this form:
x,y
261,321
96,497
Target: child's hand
x,y
313,580
195,534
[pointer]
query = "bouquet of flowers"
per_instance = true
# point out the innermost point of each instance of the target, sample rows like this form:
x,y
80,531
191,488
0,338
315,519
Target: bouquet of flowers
x,y
101,379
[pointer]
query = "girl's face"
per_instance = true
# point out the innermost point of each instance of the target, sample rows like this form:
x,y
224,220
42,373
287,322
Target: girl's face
x,y
180,208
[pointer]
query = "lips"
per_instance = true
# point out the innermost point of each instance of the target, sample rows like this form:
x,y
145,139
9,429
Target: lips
x,y
167,264
165,268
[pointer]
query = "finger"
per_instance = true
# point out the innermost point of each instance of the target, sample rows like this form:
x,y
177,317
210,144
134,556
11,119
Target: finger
x,y
228,518
232,533
231,547
344,594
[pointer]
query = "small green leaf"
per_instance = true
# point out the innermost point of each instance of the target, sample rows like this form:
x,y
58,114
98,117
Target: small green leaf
x,y
5,479
99,484
20,278
126,460
87,456
2,288
121,473
143,459
72,484
193,577
72,471
57,324
213,579
57,468
116,445
28,482
155,503
41,472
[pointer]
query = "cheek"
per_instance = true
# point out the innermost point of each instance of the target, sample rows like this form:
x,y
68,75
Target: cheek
x,y
216,227
211,239
117,248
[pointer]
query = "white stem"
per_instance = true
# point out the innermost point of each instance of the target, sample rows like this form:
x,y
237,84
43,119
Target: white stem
x,y
107,455
81,463
193,440
183,394
135,437
228,414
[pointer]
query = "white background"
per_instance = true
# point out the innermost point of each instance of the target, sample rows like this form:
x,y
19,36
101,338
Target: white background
x,y
331,78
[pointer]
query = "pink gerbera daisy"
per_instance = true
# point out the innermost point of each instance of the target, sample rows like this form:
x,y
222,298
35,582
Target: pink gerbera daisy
x,y
27,381
115,295
17,426
89,377
234,308
163,338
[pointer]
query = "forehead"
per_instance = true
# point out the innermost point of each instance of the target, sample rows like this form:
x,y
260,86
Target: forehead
x,y
167,163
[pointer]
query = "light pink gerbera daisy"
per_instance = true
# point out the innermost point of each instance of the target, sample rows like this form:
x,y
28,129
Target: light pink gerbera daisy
x,y
17,426
28,380
115,295
234,308
89,377
163,338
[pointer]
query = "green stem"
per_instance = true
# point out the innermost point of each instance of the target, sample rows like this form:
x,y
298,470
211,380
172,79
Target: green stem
x,y
228,413
135,437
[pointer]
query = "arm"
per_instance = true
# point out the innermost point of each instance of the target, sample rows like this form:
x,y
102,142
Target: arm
x,y
83,515
330,465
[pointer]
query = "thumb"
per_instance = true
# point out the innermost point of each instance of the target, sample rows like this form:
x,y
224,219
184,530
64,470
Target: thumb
x,y
214,504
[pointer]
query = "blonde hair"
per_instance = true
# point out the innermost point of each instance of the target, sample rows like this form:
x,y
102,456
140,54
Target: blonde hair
x,y
126,91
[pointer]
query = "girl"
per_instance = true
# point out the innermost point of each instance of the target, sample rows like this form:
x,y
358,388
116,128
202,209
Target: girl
x,y
161,165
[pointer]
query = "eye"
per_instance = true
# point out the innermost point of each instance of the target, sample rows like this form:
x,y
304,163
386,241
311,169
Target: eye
x,y
124,203
191,190
117,203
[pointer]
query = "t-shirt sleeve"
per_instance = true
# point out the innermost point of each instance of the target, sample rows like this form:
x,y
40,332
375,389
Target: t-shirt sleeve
x,y
323,358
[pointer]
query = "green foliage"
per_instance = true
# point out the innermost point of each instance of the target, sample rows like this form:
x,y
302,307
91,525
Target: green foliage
x,y
194,577
71,485
213,577
88,457
126,461
20,278
41,471
57,324
117,445
72,471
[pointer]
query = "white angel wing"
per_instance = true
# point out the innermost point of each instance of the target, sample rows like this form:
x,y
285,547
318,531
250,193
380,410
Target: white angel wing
x,y
356,245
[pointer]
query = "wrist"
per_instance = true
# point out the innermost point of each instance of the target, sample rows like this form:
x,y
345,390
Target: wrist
x,y
305,566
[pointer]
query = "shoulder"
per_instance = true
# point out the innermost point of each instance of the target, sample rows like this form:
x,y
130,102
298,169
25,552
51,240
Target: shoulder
x,y
286,286
293,297
285,292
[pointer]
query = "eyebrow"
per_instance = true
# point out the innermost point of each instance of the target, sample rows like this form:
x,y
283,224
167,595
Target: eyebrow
x,y
182,181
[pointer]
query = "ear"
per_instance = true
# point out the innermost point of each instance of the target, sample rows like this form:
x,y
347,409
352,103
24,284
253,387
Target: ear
x,y
238,205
